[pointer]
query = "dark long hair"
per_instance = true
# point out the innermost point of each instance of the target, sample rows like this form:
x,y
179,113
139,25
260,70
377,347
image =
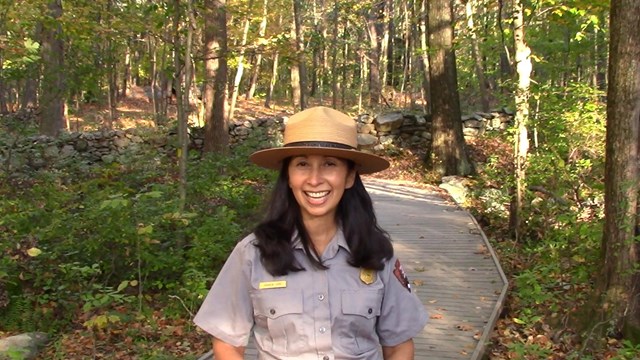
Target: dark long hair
x,y
369,244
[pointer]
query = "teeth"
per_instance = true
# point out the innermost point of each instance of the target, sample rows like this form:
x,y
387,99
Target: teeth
x,y
317,194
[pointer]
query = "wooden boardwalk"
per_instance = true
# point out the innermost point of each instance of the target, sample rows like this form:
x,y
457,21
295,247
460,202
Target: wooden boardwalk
x,y
450,264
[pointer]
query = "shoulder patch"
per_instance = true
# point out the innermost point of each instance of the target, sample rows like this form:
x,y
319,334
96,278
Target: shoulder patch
x,y
398,271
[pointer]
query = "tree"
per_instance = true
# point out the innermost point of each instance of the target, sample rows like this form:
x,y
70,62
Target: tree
x,y
216,137
374,25
52,119
523,69
298,70
448,148
240,60
619,284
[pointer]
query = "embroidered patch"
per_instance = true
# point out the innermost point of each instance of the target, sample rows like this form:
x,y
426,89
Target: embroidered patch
x,y
398,271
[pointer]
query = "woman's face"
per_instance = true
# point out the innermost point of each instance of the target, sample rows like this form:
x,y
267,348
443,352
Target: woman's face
x,y
318,183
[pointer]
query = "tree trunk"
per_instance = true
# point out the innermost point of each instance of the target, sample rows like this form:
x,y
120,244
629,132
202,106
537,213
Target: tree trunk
x,y
240,60
51,111
424,57
375,87
299,71
3,98
255,71
448,148
335,85
523,68
216,137
477,56
619,284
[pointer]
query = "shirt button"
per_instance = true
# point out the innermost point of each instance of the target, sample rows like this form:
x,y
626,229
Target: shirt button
x,y
321,297
370,310
325,357
272,311
322,330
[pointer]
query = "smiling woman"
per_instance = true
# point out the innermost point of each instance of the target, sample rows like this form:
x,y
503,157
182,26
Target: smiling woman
x,y
317,279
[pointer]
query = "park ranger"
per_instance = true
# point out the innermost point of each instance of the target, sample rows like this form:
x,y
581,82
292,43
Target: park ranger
x,y
317,278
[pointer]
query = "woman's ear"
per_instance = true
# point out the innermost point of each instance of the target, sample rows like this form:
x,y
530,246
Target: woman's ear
x,y
351,179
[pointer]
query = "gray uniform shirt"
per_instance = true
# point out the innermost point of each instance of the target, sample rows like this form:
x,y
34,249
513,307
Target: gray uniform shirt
x,y
339,313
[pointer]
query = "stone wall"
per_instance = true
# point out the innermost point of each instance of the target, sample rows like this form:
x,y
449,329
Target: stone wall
x,y
375,134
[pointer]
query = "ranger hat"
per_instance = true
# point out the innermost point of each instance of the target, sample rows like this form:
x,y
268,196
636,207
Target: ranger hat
x,y
320,131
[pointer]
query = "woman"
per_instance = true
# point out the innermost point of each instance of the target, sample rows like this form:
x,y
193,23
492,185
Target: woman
x,y
317,279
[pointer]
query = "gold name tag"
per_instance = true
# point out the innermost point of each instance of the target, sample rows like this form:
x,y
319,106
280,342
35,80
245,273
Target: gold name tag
x,y
273,284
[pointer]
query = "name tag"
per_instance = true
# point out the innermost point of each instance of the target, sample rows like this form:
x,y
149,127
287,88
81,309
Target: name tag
x,y
272,284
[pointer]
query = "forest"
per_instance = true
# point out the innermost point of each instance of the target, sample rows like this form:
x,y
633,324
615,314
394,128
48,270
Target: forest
x,y
125,183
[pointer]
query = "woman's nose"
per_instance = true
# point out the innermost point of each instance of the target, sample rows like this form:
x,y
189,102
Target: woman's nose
x,y
315,176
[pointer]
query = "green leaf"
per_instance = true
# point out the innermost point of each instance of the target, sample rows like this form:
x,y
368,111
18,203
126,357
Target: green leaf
x,y
33,252
123,285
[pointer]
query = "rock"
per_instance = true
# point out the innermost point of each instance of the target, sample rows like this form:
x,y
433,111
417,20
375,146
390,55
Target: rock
x,y
23,346
469,131
121,142
366,141
82,145
473,124
367,129
51,152
455,186
389,122
67,151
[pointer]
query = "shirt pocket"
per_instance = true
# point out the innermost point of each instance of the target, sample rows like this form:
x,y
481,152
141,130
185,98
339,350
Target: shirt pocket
x,y
360,311
279,318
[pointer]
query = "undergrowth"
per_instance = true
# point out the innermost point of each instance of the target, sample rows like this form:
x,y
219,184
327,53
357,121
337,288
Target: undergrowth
x,y
552,269
98,248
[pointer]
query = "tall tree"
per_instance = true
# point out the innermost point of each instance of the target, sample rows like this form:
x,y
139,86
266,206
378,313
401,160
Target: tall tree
x,y
471,7
421,9
255,69
374,30
216,137
240,60
448,149
51,111
523,69
299,70
620,278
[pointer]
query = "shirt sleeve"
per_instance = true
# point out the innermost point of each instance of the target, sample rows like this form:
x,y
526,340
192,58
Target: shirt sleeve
x,y
227,311
403,315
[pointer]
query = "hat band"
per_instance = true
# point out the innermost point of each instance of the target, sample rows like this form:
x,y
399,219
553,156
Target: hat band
x,y
320,144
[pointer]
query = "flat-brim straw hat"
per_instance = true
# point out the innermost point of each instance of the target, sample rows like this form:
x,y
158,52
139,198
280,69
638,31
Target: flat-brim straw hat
x,y
320,131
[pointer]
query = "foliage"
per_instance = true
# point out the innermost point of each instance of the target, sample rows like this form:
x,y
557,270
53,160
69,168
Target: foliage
x,y
552,271
81,245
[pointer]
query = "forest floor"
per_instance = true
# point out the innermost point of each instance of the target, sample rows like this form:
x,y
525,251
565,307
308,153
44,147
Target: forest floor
x,y
172,338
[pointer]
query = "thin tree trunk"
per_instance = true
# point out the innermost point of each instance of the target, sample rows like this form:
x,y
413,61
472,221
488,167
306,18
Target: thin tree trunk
x,y
523,68
424,58
299,69
375,87
3,92
240,59
255,71
471,7
335,85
